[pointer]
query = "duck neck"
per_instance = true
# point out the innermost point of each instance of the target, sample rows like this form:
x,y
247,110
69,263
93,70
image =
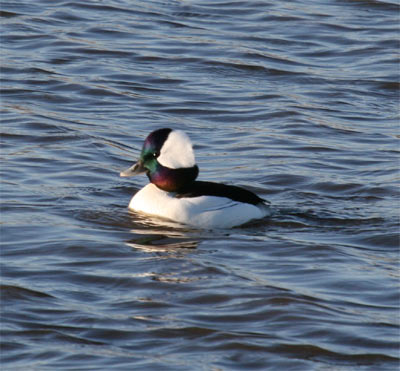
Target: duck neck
x,y
172,180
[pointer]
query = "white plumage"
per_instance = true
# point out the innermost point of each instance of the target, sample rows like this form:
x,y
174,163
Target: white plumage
x,y
201,212
177,151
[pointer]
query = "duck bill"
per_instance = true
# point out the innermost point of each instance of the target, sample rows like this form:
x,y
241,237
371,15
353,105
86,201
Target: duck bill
x,y
133,170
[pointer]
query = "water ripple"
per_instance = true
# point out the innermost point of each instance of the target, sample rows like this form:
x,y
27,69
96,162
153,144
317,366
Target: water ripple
x,y
297,102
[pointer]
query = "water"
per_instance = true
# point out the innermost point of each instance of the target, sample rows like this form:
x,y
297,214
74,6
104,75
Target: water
x,y
298,101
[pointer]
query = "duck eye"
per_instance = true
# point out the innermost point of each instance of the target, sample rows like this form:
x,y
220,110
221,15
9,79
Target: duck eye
x,y
150,155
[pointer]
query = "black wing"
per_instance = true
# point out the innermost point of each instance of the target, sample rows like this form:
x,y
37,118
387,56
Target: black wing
x,y
199,188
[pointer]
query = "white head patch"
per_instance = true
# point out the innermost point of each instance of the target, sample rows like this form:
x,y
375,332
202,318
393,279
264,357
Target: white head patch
x,y
177,151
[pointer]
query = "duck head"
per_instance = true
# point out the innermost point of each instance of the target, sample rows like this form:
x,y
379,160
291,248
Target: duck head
x,y
168,160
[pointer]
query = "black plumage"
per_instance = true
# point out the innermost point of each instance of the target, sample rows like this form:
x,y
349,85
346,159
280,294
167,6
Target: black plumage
x,y
200,188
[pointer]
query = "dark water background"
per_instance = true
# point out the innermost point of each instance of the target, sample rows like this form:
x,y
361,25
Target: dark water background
x,y
296,100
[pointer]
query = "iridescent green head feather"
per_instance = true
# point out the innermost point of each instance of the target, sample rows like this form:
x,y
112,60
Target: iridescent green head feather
x,y
167,158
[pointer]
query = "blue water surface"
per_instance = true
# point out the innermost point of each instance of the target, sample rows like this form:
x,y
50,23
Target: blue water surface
x,y
297,101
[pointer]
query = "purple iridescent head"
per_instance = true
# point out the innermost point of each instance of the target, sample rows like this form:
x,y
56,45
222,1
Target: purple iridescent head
x,y
168,160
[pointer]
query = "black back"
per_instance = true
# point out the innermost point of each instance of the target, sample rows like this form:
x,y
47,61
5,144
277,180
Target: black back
x,y
199,188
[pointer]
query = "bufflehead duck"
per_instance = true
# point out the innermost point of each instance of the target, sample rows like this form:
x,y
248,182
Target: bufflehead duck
x,y
168,160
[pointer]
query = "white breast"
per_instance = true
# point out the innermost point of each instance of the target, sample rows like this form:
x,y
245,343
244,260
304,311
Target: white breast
x,y
201,212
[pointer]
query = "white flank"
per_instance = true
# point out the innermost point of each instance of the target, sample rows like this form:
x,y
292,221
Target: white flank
x,y
201,212
177,151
